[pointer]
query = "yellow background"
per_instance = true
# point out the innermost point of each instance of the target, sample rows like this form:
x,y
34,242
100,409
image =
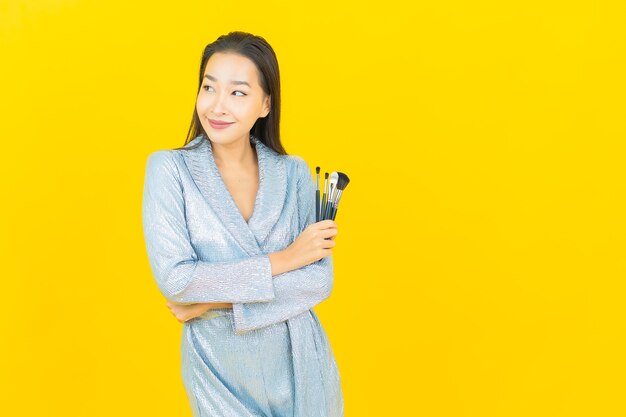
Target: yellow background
x,y
480,263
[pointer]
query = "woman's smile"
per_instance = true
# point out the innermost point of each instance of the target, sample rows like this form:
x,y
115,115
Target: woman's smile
x,y
217,124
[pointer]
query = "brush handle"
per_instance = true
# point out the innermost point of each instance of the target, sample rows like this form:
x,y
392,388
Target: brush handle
x,y
317,205
329,210
326,196
329,215
334,214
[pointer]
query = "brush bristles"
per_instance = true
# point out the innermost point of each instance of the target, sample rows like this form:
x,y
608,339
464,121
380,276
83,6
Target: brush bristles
x,y
317,170
342,181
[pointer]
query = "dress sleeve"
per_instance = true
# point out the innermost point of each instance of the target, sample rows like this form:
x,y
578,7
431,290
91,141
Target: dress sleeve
x,y
180,276
298,290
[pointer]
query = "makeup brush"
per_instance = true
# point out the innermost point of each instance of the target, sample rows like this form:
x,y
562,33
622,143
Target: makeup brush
x,y
317,194
342,183
323,207
333,184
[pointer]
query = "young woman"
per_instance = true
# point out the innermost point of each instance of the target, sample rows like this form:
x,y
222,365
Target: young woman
x,y
231,237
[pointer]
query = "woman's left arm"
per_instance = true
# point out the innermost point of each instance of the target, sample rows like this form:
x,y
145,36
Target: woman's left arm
x,y
298,290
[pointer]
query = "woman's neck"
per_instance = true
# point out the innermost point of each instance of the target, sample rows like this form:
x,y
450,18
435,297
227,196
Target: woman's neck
x,y
237,153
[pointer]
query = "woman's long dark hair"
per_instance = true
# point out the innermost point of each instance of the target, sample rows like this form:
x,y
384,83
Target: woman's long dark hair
x,y
266,129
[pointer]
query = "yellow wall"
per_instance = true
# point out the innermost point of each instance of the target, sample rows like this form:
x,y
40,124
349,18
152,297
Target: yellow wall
x,y
480,263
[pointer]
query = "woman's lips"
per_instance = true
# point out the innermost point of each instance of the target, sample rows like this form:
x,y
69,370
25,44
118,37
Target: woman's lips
x,y
216,124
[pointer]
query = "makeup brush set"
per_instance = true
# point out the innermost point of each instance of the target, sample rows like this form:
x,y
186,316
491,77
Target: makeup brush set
x,y
326,206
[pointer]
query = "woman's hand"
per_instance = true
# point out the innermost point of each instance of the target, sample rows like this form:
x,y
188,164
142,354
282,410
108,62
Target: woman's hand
x,y
314,243
186,312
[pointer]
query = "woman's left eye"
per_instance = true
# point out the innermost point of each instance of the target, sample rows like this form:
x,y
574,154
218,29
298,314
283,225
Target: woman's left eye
x,y
242,93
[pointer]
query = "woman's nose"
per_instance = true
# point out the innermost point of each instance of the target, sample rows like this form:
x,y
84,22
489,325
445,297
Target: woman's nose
x,y
218,106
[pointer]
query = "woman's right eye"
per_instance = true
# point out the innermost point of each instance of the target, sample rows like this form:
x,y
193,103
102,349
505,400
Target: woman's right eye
x,y
206,87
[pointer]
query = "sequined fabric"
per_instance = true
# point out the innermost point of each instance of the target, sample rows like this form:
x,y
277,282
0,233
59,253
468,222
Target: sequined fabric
x,y
268,355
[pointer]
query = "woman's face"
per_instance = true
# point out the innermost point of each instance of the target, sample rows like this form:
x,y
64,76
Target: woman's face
x,y
230,92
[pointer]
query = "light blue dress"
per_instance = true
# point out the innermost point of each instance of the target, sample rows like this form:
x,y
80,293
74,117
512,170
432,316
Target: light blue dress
x,y
268,355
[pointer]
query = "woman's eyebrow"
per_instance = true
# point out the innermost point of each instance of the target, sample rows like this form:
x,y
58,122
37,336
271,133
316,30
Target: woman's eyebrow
x,y
210,77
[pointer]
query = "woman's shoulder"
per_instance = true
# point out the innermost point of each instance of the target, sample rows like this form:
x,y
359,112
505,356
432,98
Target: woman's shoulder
x,y
296,163
162,156
172,156
163,163
298,169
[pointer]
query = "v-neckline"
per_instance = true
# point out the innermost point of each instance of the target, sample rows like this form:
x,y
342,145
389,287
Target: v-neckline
x,y
269,202
230,197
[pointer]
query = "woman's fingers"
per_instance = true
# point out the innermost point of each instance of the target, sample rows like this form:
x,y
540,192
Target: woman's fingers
x,y
327,223
323,231
323,224
327,235
185,312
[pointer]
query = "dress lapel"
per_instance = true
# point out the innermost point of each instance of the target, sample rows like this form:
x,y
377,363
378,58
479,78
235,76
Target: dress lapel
x,y
272,191
269,200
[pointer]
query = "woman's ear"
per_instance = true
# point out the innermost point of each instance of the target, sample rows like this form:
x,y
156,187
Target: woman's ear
x,y
267,102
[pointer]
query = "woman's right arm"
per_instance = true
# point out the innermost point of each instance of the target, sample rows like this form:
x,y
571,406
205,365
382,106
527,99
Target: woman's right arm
x,y
180,275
